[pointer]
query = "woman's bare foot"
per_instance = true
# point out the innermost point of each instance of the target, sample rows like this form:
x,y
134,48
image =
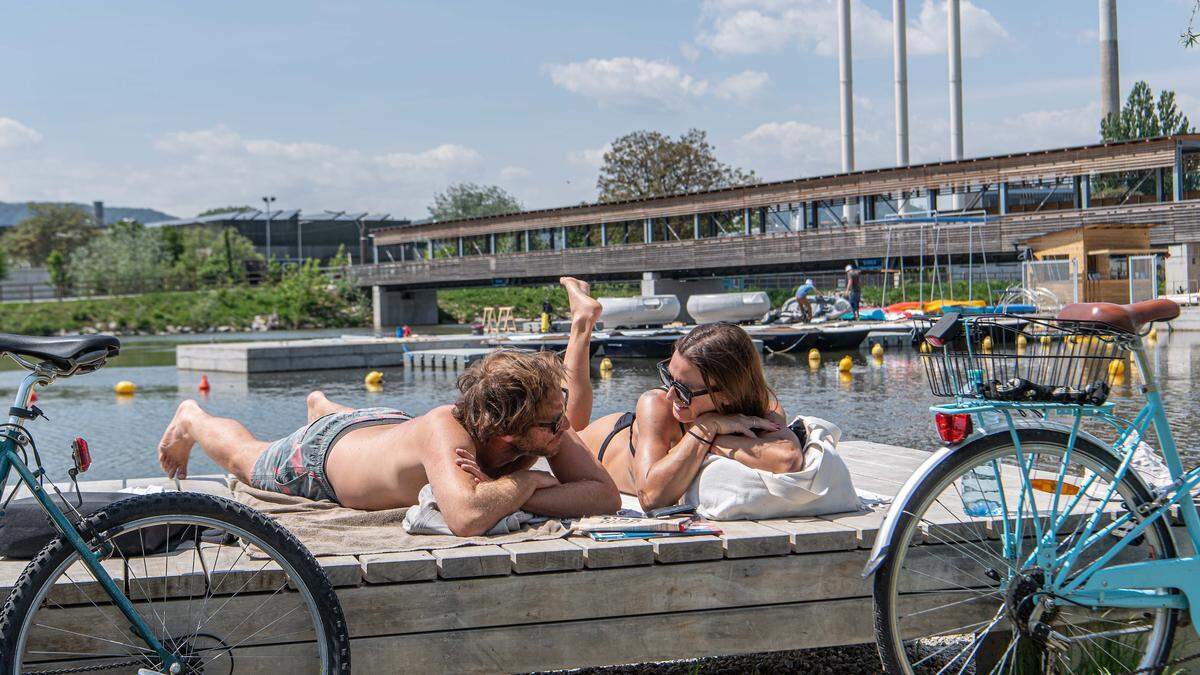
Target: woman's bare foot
x,y
585,310
176,444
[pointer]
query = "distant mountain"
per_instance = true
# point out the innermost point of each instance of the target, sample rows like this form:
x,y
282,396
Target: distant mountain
x,y
13,213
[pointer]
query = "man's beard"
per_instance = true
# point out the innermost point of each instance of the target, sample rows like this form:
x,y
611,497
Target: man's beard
x,y
523,445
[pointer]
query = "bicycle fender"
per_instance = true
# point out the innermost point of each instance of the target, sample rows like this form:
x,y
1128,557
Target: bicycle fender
x,y
879,551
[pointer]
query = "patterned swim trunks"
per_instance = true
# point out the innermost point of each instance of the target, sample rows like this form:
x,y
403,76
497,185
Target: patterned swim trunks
x,y
295,465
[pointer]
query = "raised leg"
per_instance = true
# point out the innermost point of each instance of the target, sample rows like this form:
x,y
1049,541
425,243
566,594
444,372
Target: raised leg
x,y
226,441
319,406
585,312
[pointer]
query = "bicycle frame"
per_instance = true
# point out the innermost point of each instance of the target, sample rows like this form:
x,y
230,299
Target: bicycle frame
x,y
10,460
1129,585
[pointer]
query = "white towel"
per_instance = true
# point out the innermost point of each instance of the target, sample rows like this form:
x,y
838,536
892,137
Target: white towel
x,y
729,490
426,518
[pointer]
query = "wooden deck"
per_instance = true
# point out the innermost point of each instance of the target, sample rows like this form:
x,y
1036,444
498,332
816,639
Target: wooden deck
x,y
762,586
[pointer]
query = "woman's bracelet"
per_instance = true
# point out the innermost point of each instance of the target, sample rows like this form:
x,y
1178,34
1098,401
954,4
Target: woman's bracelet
x,y
706,441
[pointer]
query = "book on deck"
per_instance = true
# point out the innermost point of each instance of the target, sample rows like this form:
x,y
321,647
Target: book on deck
x,y
689,531
626,524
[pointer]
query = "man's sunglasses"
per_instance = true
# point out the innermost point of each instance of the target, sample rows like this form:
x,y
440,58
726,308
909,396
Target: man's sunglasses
x,y
552,425
685,393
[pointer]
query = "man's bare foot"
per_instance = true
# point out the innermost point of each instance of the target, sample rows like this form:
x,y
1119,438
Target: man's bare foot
x,y
585,309
176,444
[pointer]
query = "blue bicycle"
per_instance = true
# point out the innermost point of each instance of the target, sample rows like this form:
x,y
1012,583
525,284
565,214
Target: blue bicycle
x,y
1029,544
174,582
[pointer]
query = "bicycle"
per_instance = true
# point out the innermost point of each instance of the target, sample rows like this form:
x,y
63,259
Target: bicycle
x,y
172,582
1027,543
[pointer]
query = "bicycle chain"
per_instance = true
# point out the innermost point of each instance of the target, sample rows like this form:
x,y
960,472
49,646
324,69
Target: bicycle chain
x,y
86,669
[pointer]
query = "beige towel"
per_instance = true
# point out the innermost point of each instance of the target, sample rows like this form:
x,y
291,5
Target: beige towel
x,y
328,529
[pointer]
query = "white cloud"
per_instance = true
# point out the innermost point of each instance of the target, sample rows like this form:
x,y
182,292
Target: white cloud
x,y
591,157
805,149
514,173
627,80
200,168
758,26
689,51
742,87
14,134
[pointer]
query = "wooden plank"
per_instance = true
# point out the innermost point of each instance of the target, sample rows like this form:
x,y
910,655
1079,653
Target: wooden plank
x,y
342,570
384,568
627,553
550,555
865,523
687,549
814,535
747,539
472,561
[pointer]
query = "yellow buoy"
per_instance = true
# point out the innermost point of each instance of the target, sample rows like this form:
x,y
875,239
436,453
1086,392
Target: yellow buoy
x,y
125,387
1116,367
814,354
1153,334
374,388
1021,341
987,343
373,378
606,363
877,360
845,378
877,350
925,348
845,364
1046,340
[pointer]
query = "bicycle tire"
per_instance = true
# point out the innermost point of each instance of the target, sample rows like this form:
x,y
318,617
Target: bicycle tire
x,y
889,645
41,569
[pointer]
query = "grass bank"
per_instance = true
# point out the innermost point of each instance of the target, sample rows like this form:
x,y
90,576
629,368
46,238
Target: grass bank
x,y
197,311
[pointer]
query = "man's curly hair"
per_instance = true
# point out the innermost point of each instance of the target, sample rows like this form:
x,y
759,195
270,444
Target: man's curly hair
x,y
505,393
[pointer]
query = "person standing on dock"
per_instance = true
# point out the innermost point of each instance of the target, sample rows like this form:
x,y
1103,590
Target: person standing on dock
x,y
806,289
853,288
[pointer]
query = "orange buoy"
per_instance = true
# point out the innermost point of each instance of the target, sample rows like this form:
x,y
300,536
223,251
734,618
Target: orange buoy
x,y
204,385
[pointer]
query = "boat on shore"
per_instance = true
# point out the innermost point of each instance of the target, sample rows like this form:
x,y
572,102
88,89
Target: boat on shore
x,y
826,337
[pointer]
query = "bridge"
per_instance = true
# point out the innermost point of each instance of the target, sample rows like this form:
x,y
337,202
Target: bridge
x,y
797,226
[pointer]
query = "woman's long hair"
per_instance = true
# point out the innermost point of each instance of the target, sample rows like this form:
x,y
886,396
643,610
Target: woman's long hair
x,y
729,363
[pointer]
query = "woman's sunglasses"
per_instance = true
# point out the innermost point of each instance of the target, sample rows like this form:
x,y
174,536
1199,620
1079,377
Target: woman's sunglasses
x,y
685,393
552,425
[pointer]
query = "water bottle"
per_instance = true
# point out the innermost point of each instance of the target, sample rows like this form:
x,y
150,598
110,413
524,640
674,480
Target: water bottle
x,y
981,492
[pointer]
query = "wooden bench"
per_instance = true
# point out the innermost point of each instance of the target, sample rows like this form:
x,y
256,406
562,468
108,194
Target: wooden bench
x,y
761,586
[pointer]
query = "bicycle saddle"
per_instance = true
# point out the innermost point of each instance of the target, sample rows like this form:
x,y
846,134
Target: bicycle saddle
x,y
1129,318
64,353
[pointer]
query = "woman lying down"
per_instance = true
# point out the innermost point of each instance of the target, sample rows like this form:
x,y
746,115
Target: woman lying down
x,y
714,435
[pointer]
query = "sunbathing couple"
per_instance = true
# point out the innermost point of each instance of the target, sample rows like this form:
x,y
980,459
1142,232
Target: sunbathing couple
x,y
514,407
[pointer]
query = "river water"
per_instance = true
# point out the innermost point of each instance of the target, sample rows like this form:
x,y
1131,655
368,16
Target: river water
x,y
886,403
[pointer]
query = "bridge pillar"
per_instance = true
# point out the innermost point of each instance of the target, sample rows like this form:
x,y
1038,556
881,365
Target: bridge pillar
x,y
396,307
654,284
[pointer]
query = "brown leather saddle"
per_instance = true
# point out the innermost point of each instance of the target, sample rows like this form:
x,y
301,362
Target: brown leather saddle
x,y
1129,318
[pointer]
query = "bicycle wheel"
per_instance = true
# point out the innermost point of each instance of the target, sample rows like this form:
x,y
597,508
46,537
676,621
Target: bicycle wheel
x,y
950,598
222,587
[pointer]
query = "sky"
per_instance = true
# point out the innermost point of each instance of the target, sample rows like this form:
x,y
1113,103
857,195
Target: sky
x,y
365,105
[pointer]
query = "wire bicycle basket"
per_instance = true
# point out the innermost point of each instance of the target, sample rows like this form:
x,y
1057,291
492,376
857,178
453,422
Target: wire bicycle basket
x,y
1026,359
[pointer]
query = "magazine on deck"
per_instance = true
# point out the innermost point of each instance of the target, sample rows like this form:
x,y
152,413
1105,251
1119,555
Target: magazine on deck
x,y
689,531
627,524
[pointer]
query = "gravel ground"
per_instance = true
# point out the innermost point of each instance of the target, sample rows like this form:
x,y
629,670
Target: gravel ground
x,y
823,661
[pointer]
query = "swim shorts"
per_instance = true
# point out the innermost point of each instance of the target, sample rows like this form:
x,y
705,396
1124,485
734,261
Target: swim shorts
x,y
295,464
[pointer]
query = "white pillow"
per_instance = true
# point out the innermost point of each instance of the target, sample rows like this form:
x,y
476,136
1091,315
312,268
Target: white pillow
x,y
726,489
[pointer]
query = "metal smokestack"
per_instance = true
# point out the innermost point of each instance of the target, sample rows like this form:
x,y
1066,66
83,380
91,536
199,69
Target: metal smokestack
x,y
954,45
846,76
98,213
900,66
1110,81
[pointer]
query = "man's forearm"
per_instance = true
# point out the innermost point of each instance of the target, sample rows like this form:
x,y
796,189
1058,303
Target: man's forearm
x,y
571,500
496,499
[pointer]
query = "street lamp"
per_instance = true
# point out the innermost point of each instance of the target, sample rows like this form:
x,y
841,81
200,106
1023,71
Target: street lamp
x,y
267,202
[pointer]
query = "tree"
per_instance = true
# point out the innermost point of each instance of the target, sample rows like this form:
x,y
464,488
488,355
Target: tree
x,y
1142,117
50,227
225,209
126,259
56,265
650,164
212,256
3,263
468,200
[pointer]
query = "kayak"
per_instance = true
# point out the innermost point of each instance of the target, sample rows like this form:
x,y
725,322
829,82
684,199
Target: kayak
x,y
897,307
939,305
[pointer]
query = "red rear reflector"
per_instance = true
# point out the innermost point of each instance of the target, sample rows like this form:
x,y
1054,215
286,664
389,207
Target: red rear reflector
x,y
952,428
81,453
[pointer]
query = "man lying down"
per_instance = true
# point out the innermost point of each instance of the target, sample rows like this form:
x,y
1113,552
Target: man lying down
x,y
476,455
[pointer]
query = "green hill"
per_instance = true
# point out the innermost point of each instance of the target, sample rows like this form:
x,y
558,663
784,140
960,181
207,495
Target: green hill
x,y
13,213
